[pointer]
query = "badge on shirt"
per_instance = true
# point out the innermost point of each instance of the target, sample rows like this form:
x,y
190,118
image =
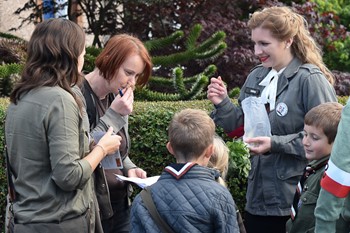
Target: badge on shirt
x,y
252,91
281,109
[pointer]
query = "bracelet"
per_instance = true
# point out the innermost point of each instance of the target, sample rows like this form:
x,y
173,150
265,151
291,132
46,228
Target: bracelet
x,y
103,149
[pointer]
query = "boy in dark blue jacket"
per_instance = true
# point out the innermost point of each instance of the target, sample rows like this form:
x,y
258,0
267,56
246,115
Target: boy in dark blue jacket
x,y
187,196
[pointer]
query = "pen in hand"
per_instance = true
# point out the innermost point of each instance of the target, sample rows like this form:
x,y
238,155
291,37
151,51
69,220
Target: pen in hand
x,y
120,92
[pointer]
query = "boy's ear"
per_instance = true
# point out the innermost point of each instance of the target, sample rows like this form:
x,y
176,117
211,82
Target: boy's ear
x,y
204,159
210,151
170,148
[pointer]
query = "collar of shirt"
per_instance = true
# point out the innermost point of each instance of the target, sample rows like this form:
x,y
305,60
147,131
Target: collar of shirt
x,y
268,95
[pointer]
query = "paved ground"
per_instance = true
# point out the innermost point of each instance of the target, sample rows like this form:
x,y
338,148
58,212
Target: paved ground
x,y
9,20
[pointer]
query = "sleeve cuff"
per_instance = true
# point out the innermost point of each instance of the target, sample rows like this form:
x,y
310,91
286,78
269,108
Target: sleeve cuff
x,y
324,226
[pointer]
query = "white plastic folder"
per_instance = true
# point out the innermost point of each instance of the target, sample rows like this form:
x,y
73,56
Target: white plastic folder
x,y
111,161
142,183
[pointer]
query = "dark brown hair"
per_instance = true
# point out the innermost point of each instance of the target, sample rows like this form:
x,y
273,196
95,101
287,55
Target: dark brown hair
x,y
53,52
325,116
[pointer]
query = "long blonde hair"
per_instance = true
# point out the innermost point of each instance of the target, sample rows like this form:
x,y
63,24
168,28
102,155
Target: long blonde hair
x,y
219,159
284,24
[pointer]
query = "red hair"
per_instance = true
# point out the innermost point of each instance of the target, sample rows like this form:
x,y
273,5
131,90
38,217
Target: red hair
x,y
117,49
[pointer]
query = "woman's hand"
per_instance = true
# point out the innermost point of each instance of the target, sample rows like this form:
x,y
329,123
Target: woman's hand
x,y
258,145
110,142
217,91
137,172
124,104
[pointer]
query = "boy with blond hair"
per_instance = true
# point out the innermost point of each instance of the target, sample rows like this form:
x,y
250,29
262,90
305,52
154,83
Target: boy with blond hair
x,y
187,196
320,129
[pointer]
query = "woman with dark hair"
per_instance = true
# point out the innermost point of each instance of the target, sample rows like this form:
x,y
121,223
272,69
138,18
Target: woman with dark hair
x,y
47,146
108,92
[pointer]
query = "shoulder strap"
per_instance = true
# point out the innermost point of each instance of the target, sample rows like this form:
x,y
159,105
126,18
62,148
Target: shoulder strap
x,y
147,199
90,103
240,221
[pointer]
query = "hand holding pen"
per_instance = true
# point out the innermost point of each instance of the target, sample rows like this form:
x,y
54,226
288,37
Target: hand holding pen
x,y
120,92
123,102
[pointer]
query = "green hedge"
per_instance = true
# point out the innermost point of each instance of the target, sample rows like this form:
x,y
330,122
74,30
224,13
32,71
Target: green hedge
x,y
148,132
3,181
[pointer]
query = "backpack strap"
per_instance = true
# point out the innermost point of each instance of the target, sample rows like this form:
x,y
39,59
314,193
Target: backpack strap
x,y
152,209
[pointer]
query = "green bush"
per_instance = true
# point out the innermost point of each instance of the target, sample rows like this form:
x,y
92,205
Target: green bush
x,y
343,99
9,75
337,56
148,132
239,166
3,181
341,8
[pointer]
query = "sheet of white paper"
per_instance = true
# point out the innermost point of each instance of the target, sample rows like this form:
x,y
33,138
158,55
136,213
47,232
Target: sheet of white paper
x,y
140,182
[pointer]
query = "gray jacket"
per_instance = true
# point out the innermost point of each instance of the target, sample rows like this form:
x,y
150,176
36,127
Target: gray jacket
x,y
194,202
274,175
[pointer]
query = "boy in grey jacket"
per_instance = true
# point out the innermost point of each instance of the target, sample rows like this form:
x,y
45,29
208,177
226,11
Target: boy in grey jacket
x,y
187,196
